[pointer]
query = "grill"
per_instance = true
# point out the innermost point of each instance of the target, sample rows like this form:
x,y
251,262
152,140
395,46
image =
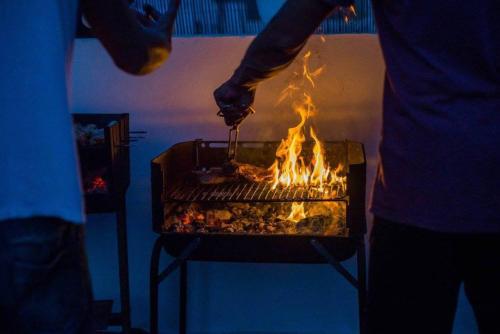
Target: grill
x,y
251,192
103,148
104,153
172,187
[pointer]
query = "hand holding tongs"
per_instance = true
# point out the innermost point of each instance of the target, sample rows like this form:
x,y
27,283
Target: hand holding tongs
x,y
233,116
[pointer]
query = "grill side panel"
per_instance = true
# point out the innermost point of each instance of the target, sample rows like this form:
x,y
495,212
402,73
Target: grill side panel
x,y
166,169
356,189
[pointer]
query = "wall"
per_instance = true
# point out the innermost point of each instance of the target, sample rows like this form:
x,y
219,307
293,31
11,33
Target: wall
x,y
175,104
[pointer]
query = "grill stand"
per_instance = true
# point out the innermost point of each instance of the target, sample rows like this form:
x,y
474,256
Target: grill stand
x,y
122,317
181,261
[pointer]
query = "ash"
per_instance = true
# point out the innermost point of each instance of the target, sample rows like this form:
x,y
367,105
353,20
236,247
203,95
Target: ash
x,y
322,218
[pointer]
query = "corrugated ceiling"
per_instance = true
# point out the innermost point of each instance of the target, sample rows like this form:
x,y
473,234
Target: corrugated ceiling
x,y
241,17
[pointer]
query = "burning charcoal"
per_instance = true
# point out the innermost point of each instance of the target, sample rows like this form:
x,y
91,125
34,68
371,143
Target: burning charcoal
x,y
242,206
270,228
223,215
326,218
188,229
185,219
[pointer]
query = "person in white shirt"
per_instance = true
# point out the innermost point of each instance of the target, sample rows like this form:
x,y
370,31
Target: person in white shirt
x,y
44,279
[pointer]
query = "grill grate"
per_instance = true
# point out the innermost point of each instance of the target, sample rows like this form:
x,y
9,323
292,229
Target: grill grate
x,y
254,192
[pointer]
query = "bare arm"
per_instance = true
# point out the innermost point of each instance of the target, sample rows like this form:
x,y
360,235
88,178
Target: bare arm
x,y
134,48
281,41
272,51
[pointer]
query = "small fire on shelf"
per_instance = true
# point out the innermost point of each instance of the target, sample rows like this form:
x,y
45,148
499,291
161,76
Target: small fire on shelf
x,y
96,185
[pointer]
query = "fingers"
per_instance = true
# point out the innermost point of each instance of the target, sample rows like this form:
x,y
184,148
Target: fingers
x,y
143,19
167,21
151,12
235,102
235,117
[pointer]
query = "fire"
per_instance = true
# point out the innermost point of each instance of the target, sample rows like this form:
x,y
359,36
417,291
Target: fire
x,y
98,185
290,167
349,13
298,213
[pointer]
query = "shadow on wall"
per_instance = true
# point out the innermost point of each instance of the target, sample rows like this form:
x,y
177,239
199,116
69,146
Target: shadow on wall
x,y
175,104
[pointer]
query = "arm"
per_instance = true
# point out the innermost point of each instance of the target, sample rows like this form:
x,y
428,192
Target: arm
x,y
134,48
281,40
272,51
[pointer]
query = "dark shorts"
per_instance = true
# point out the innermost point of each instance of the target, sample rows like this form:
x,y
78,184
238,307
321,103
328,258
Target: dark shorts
x,y
415,277
44,278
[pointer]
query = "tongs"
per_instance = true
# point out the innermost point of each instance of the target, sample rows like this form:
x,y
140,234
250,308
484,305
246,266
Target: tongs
x,y
238,114
232,143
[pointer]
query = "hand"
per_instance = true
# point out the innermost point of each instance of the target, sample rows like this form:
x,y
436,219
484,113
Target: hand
x,y
159,26
138,44
235,102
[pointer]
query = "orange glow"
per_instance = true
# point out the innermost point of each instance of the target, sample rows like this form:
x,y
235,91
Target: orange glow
x,y
349,13
297,213
290,167
98,185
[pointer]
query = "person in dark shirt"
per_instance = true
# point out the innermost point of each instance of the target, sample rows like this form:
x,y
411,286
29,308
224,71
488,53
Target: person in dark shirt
x,y
436,198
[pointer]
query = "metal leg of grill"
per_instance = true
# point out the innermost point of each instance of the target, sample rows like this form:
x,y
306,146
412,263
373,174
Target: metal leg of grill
x,y
362,295
156,278
359,283
183,299
334,263
153,286
121,228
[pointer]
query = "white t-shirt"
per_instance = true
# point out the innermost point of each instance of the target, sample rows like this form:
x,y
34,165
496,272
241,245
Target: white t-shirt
x,y
38,163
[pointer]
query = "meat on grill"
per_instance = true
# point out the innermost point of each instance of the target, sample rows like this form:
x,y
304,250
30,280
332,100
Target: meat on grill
x,y
232,172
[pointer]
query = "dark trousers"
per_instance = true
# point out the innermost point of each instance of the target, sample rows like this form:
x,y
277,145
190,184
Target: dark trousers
x,y
44,278
415,277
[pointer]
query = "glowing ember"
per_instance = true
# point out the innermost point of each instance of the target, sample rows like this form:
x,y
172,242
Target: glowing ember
x,y
98,185
323,218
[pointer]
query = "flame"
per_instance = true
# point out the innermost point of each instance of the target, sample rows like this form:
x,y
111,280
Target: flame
x,y
290,167
349,13
298,212
293,170
307,73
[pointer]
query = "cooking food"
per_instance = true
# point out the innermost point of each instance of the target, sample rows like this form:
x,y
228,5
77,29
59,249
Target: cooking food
x,y
233,171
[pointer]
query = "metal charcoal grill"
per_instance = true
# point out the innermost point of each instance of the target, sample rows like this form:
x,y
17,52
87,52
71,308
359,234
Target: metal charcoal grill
x,y
170,181
104,153
107,157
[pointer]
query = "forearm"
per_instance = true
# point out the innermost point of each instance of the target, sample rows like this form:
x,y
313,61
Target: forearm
x,y
281,41
128,43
